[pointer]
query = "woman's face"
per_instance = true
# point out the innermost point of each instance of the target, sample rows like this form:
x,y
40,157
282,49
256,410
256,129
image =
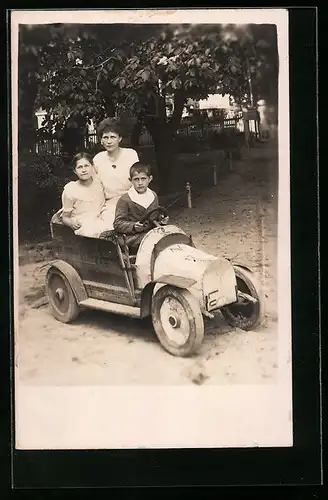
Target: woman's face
x,y
110,141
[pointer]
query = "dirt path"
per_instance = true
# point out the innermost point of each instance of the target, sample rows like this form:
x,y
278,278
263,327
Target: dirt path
x,y
236,219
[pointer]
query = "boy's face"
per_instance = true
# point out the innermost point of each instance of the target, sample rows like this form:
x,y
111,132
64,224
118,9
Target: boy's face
x,y
141,181
84,169
110,141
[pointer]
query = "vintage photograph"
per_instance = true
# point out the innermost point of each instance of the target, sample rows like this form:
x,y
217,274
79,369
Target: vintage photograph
x,y
151,228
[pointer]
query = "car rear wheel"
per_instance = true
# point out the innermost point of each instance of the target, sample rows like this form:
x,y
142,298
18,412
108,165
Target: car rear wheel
x,y
177,320
247,313
62,301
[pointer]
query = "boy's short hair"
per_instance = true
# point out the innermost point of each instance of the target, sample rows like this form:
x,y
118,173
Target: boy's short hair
x,y
139,168
110,125
80,156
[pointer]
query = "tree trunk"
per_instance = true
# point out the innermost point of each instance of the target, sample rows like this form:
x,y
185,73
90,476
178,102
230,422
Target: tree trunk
x,y
166,178
179,103
108,101
166,159
163,134
110,108
136,132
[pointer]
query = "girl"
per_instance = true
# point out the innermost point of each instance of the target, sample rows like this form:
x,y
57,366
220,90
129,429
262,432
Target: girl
x,y
84,199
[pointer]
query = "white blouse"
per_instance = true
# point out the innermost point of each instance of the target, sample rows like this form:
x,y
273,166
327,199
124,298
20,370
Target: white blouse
x,y
115,180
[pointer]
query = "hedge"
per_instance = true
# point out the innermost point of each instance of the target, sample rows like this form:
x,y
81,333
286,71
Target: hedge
x,y
41,179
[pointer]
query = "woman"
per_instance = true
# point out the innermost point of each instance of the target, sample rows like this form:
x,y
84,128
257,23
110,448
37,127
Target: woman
x,y
113,166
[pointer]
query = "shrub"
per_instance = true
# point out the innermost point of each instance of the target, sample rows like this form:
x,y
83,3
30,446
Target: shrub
x,y
190,144
41,179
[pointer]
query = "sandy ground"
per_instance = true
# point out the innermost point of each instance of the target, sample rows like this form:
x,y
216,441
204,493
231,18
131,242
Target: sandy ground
x,y
236,219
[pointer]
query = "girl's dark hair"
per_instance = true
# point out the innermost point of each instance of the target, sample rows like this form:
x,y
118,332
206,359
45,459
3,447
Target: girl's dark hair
x,y
110,125
80,156
139,167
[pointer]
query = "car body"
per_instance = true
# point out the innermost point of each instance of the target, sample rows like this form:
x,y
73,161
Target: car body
x,y
167,278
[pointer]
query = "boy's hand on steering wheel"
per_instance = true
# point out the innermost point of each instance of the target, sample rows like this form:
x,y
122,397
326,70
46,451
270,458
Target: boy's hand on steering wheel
x,y
164,220
139,227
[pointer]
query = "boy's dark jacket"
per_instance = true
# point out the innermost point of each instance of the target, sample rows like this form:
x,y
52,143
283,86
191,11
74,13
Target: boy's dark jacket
x,y
128,213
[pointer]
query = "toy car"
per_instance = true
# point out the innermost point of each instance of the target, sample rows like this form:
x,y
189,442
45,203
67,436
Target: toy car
x,y
167,278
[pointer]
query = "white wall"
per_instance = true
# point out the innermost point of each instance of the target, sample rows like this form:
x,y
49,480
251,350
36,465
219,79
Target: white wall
x,y
215,101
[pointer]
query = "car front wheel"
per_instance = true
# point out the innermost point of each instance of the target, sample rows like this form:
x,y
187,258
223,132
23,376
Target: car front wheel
x,y
177,320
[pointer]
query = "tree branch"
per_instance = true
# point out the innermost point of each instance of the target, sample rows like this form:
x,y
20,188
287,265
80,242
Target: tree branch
x,y
94,66
97,79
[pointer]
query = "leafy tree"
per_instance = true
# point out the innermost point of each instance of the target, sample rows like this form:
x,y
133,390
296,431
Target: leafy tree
x,y
28,65
93,71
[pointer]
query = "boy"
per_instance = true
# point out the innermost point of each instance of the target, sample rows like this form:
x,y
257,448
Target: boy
x,y
133,205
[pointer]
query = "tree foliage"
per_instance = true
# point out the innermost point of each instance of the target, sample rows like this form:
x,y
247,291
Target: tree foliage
x,y
90,69
93,71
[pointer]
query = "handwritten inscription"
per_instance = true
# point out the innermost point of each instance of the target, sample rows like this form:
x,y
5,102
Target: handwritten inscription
x,y
191,258
176,248
160,230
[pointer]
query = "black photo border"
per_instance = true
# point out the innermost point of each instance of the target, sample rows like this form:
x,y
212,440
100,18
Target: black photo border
x,y
300,465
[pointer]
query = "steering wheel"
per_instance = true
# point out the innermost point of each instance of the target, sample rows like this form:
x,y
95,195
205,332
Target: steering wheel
x,y
154,214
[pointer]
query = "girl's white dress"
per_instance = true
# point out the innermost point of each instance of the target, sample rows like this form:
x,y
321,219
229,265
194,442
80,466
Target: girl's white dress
x,y
85,204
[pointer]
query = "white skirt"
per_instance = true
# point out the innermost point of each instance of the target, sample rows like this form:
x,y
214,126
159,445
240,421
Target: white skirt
x,y
93,227
108,212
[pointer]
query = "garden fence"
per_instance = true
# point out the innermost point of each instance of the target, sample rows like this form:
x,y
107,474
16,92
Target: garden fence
x,y
51,145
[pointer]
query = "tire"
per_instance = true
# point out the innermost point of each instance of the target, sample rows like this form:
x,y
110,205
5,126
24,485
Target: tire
x,y
62,301
245,314
177,320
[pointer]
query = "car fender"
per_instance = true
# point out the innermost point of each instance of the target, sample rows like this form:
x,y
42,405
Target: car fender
x,y
178,281
72,277
147,293
146,298
242,266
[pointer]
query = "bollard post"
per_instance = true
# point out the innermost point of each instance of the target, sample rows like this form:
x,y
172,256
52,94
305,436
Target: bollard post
x,y
188,189
230,161
215,180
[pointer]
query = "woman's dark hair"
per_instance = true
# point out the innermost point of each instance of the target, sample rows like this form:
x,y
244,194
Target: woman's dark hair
x,y
139,167
110,125
80,156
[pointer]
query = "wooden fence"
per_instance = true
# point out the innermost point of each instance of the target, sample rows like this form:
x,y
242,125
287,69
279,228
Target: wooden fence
x,y
198,131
